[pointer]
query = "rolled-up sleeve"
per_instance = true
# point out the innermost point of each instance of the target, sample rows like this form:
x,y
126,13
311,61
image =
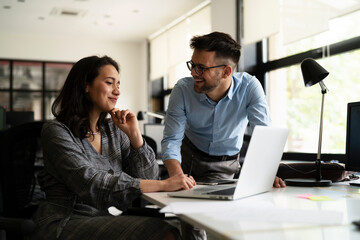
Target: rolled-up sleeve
x,y
257,107
175,123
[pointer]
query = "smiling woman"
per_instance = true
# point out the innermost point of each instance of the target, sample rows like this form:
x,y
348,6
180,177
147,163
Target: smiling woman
x,y
93,162
104,90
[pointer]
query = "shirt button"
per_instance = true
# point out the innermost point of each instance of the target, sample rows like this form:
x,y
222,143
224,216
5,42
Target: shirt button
x,y
111,172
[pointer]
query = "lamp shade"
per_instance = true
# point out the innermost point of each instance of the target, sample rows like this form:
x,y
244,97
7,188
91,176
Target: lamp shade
x,y
140,116
312,72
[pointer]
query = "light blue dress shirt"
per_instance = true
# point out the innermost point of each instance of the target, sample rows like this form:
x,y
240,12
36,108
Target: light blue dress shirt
x,y
216,128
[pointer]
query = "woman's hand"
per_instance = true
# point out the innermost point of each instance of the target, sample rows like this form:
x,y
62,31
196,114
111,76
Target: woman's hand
x,y
127,122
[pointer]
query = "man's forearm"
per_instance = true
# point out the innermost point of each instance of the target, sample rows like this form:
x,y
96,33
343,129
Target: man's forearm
x,y
173,167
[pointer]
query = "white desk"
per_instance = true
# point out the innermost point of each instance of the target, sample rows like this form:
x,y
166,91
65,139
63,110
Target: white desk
x,y
232,224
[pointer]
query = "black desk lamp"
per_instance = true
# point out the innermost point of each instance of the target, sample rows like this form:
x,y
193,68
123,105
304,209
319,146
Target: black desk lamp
x,y
140,116
313,73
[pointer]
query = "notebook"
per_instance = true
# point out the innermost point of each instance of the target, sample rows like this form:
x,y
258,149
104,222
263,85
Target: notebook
x,y
257,172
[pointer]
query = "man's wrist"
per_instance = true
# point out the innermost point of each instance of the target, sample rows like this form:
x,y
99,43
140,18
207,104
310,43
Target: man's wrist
x,y
173,167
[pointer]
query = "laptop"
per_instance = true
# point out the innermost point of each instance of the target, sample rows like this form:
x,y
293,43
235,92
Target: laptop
x,y
257,172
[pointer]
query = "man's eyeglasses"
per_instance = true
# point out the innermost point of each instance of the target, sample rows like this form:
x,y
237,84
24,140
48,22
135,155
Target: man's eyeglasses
x,y
198,68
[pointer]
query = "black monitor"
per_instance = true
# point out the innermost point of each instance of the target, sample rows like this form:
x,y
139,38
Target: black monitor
x,y
353,137
2,118
17,118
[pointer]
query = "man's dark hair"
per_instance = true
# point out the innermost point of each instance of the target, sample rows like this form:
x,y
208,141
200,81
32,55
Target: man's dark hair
x,y
73,105
221,43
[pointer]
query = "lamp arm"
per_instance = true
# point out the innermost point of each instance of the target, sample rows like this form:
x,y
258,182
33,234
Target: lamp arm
x,y
155,115
318,159
324,89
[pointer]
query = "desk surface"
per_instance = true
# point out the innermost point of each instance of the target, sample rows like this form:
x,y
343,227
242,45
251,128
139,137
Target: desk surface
x,y
271,219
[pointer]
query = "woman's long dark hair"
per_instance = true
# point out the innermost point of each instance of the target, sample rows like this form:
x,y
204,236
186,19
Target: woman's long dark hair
x,y
73,105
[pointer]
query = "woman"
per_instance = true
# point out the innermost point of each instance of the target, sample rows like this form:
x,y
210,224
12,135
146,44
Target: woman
x,y
92,163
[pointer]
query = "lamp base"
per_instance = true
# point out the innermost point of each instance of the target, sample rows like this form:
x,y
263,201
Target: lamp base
x,y
307,182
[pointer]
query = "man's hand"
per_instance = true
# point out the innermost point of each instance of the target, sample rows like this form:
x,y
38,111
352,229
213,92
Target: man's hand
x,y
175,183
179,182
279,183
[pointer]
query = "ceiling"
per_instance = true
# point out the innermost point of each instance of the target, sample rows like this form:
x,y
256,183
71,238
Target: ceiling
x,y
114,20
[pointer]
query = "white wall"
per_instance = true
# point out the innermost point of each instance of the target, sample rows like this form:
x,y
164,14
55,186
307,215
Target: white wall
x,y
223,16
130,56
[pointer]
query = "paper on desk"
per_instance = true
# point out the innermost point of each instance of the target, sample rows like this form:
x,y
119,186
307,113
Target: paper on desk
x,y
210,206
281,215
254,211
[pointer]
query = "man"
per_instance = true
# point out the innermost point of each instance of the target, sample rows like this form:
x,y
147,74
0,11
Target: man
x,y
209,112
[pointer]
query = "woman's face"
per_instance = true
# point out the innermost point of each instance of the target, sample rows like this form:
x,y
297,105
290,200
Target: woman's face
x,y
104,90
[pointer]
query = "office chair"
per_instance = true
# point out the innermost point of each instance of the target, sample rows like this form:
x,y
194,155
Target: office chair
x,y
151,142
140,203
21,159
163,174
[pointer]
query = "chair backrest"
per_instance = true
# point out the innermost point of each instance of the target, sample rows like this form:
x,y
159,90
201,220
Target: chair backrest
x,y
21,158
151,142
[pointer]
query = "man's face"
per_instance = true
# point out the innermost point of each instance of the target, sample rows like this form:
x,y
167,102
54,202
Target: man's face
x,y
211,78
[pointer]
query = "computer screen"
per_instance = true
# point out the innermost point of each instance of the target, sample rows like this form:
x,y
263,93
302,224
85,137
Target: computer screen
x,y
352,162
17,118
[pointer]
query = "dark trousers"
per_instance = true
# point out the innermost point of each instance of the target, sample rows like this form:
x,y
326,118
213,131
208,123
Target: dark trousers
x,y
204,167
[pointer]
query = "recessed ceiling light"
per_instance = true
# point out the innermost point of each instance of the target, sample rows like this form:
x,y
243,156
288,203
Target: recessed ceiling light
x,y
41,18
6,7
107,16
136,11
67,12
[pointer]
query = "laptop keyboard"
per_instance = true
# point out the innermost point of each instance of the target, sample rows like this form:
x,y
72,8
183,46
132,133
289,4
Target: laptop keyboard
x,y
228,191
205,189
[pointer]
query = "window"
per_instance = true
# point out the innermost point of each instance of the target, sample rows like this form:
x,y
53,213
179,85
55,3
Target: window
x,y
5,84
297,107
297,17
25,87
55,76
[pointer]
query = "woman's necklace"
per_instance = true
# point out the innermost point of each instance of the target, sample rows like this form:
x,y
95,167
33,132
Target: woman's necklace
x,y
94,133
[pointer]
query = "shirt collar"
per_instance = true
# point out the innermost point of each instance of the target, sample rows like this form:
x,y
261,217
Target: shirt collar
x,y
230,93
203,97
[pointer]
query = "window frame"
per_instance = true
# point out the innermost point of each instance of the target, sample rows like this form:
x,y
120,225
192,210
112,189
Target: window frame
x,y
43,91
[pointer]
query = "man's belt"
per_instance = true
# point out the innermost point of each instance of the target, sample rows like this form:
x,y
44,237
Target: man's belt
x,y
210,157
